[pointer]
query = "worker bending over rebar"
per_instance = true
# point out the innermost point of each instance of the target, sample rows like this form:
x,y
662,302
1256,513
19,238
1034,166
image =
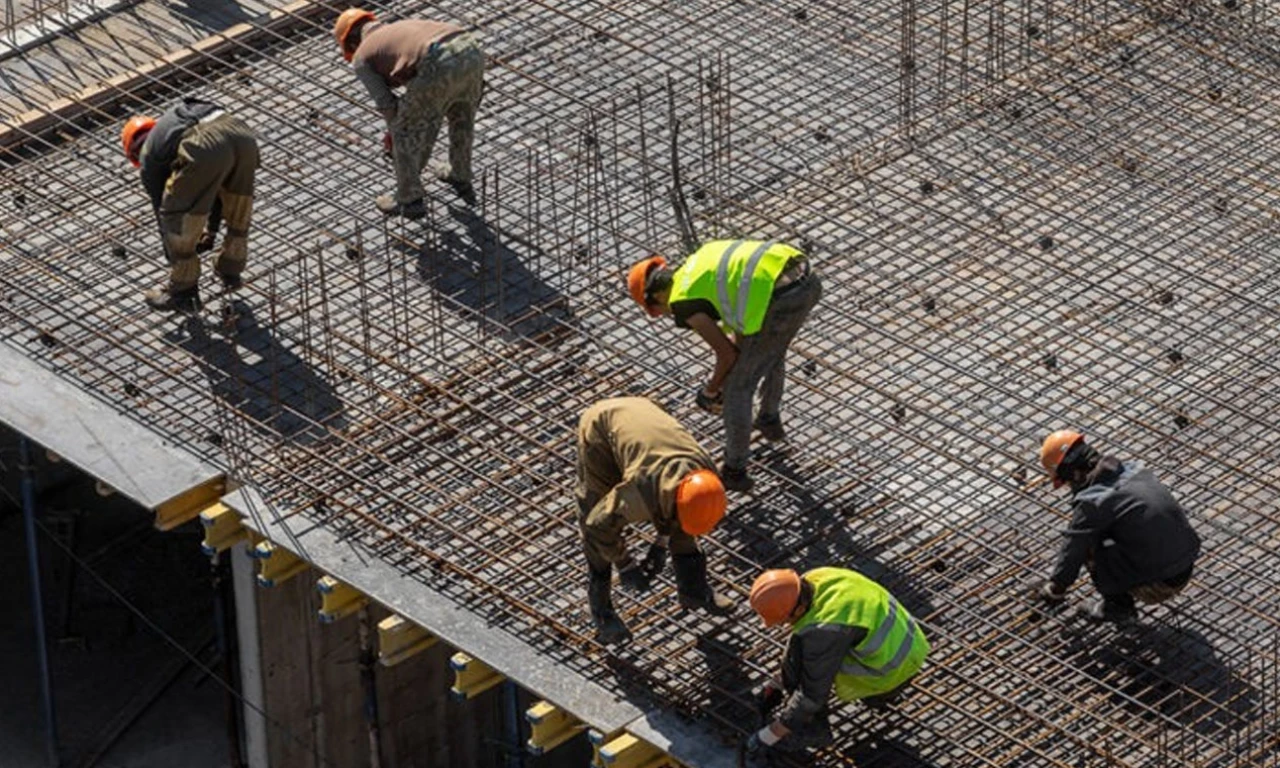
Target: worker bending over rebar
x,y
761,293
441,69
636,463
847,632
1126,527
198,164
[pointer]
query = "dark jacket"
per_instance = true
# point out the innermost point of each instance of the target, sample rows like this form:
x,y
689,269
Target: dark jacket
x,y
1132,527
161,148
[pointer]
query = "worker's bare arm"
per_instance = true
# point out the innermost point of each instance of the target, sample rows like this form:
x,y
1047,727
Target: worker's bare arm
x,y
726,351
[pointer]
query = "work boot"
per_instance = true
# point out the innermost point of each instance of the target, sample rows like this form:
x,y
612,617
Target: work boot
x,y
412,210
166,300
609,628
230,282
735,478
770,428
463,189
1116,609
692,587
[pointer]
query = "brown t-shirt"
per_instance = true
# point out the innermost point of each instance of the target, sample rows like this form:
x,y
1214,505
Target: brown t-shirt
x,y
391,52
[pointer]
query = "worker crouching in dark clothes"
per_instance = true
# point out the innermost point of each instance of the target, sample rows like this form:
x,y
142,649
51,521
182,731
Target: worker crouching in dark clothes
x,y
636,463
1125,526
197,164
847,633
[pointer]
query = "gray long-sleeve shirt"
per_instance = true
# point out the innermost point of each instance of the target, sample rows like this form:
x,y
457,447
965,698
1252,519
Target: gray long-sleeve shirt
x,y
813,660
1130,523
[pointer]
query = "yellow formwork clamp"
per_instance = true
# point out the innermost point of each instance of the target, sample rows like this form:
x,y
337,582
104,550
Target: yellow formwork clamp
x,y
549,726
399,638
276,565
222,529
338,600
627,751
471,677
598,740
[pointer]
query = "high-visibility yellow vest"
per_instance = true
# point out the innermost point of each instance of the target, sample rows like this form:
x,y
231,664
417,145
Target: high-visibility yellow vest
x,y
736,276
893,650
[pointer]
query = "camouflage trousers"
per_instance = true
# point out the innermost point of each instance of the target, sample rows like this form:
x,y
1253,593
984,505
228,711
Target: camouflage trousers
x,y
215,163
448,86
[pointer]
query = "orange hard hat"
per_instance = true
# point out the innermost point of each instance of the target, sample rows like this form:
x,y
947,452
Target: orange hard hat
x,y
774,595
135,128
637,277
1055,448
700,501
347,21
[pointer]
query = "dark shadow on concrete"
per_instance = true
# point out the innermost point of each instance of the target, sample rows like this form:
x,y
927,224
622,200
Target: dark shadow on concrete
x,y
1177,672
491,274
261,379
211,14
876,752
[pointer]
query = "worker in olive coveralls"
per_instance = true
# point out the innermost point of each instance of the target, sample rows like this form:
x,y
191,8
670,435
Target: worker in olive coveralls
x,y
198,164
747,300
847,632
441,69
636,463
1126,527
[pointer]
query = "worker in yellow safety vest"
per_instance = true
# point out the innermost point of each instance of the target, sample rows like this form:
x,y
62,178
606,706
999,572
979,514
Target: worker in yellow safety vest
x,y
847,631
747,299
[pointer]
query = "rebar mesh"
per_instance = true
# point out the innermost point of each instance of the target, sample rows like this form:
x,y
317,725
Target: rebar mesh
x,y
1025,215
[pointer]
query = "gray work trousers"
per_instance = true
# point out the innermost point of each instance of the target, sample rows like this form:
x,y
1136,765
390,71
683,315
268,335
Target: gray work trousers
x,y
762,356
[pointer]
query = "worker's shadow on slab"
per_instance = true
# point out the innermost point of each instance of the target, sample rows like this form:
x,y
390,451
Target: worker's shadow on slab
x,y
492,275
1175,673
882,752
274,390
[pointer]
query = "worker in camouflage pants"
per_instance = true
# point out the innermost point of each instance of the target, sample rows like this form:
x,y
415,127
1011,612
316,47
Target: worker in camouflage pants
x,y
197,164
441,69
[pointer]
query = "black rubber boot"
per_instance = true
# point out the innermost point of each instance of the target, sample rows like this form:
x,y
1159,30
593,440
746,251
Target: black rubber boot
x,y
1116,609
735,478
609,628
692,586
390,207
770,428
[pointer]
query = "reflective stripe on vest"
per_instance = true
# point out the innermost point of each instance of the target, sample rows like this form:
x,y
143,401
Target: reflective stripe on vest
x,y
853,665
735,315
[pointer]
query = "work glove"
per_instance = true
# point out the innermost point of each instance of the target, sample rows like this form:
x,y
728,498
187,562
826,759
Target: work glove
x,y
1048,593
633,577
656,558
205,243
708,403
387,147
767,699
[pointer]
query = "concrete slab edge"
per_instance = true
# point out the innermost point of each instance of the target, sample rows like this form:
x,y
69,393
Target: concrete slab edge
x,y
99,440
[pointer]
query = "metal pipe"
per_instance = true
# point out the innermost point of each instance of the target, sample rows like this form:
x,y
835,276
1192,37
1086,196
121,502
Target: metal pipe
x,y
369,683
37,604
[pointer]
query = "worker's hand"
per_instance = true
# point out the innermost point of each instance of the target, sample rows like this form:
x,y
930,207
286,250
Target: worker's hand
x,y
1047,592
656,558
710,403
767,699
205,243
632,577
387,147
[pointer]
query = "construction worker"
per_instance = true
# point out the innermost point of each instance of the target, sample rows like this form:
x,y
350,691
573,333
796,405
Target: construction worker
x,y
1125,526
760,293
197,164
846,631
636,463
441,69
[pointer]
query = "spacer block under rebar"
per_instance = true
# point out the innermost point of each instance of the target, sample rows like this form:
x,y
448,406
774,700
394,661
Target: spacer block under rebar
x,y
399,638
550,726
276,565
338,600
471,677
627,751
222,529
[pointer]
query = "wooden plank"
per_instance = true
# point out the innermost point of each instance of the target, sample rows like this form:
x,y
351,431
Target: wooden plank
x,y
30,124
